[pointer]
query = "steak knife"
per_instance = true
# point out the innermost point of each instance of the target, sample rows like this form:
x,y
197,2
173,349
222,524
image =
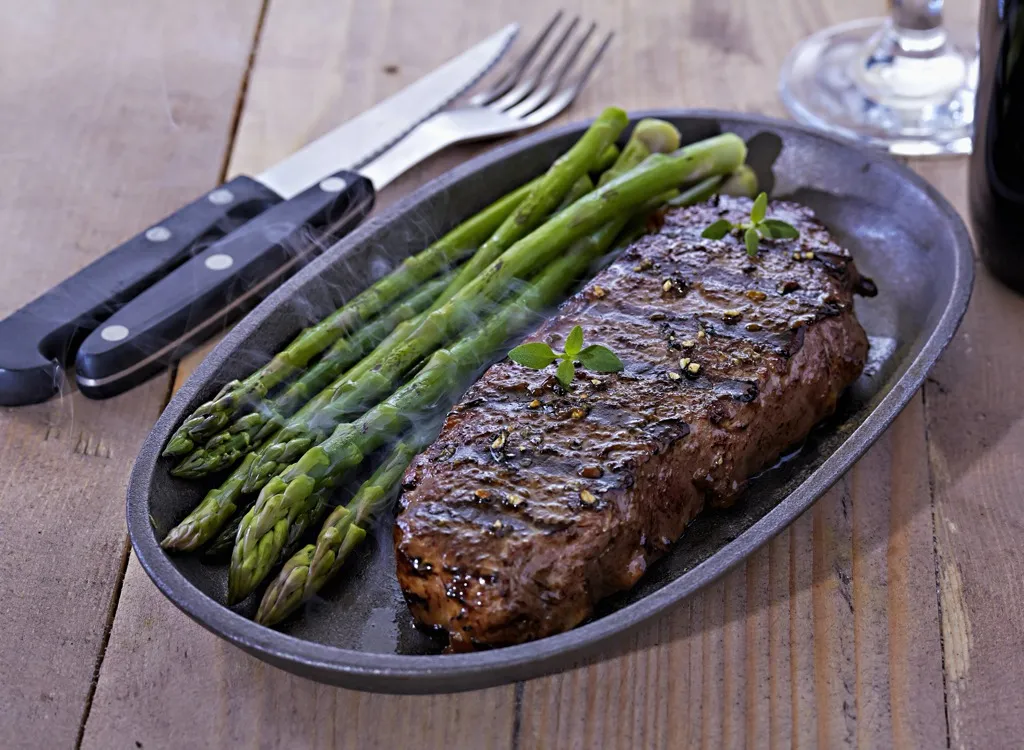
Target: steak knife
x,y
172,286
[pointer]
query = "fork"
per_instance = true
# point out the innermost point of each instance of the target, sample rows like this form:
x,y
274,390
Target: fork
x,y
538,86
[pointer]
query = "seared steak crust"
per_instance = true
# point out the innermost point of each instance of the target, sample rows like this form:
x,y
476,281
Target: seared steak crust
x,y
535,503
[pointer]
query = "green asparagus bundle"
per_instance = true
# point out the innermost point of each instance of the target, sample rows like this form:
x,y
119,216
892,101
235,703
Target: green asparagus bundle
x,y
306,572
474,288
286,496
227,447
236,397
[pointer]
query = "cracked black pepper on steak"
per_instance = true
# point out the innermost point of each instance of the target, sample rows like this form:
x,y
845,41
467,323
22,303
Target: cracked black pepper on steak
x,y
534,503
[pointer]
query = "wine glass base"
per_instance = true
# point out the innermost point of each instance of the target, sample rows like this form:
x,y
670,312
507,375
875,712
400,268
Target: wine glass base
x,y
861,81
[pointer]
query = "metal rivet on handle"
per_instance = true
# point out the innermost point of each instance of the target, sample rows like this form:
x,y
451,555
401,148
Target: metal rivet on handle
x,y
221,196
158,234
114,333
219,261
333,185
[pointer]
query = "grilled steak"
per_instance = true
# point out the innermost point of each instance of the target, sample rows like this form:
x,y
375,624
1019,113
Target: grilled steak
x,y
534,502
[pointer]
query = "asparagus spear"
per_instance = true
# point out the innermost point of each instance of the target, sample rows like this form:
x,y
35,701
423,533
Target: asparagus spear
x,y
742,182
228,446
581,187
306,572
608,157
237,396
555,184
466,296
650,136
210,515
219,550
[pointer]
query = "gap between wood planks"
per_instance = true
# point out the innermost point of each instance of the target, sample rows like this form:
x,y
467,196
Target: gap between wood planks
x,y
910,164
115,598
935,564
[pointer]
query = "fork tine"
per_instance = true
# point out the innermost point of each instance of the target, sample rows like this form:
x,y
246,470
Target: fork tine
x,y
511,76
566,96
536,73
542,94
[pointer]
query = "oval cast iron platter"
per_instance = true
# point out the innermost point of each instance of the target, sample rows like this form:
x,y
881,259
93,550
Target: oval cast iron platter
x,y
360,635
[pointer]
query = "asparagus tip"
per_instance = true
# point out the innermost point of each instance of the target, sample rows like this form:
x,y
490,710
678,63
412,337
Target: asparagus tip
x,y
193,466
659,136
742,182
285,593
180,539
178,445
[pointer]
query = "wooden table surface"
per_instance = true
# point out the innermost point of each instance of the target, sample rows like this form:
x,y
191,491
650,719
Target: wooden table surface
x,y
890,614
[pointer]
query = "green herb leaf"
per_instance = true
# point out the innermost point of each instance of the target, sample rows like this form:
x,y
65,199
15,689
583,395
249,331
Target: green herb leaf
x,y
574,342
779,229
718,230
751,238
600,359
536,355
566,372
759,209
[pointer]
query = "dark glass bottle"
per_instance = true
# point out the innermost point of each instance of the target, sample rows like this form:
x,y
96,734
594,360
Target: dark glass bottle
x,y
997,162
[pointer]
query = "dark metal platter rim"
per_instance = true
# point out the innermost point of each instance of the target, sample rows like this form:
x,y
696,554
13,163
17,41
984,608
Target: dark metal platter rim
x,y
420,674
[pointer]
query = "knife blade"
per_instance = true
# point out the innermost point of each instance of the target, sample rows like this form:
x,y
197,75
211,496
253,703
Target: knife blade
x,y
307,200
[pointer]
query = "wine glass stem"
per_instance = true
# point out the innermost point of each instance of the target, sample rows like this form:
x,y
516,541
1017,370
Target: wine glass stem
x,y
917,15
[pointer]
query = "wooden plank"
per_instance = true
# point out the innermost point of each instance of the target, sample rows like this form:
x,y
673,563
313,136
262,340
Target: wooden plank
x,y
113,115
976,440
801,626
832,613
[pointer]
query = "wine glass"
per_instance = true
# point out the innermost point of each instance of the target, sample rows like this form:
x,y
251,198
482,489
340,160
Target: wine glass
x,y
899,83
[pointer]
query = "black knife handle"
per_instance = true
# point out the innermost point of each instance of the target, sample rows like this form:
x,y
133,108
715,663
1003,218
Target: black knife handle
x,y
196,300
38,341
